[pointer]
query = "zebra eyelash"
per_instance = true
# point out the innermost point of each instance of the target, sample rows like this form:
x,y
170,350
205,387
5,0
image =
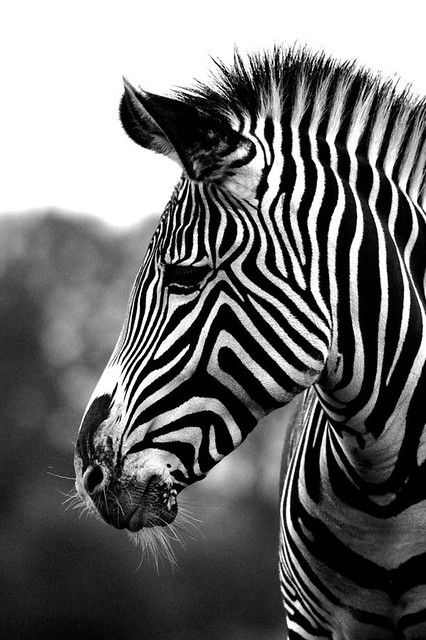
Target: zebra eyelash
x,y
185,276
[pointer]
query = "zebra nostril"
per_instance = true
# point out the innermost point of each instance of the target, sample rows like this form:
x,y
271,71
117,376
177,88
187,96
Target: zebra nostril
x,y
93,479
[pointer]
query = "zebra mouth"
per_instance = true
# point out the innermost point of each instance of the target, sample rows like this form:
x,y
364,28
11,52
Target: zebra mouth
x,y
128,505
158,509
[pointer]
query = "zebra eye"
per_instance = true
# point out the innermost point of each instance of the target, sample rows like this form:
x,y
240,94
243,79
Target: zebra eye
x,y
188,277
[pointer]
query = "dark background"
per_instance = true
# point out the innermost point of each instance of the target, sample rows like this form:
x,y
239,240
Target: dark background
x,y
64,284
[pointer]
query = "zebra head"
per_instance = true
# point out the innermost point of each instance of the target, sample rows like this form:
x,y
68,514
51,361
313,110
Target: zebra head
x,y
226,320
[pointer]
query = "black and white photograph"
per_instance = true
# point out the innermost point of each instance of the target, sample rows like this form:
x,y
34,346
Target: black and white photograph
x,y
212,320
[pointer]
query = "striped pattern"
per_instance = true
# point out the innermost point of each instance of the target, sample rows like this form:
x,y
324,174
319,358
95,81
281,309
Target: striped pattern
x,y
249,355
290,257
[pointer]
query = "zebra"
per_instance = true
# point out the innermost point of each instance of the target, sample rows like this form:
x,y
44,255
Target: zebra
x,y
289,261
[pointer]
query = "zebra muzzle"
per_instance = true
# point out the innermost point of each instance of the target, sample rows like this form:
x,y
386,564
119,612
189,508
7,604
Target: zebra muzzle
x,y
158,507
172,500
128,499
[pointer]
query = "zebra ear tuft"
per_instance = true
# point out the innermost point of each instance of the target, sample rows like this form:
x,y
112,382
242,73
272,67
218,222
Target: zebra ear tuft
x,y
203,145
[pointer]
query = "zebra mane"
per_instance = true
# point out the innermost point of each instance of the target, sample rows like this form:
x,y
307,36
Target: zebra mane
x,y
298,86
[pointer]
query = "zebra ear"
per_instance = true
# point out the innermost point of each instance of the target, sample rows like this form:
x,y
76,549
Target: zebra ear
x,y
203,145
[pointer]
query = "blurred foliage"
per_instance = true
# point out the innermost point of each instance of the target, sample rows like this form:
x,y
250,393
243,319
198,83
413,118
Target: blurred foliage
x,y
64,285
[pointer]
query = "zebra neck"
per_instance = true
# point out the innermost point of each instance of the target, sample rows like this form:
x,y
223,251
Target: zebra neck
x,y
382,476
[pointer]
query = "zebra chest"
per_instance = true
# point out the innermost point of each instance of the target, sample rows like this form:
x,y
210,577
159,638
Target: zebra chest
x,y
357,574
355,562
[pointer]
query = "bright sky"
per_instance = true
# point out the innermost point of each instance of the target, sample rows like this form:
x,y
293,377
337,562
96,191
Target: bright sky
x,y
61,143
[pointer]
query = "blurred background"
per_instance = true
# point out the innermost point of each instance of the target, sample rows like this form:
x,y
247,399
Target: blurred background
x,y
64,284
78,204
